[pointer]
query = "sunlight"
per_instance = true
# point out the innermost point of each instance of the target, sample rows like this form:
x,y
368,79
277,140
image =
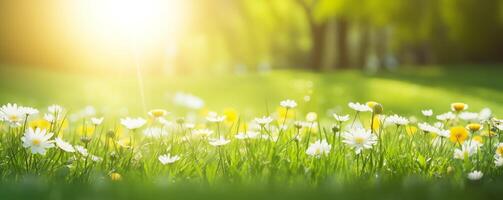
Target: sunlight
x,y
138,23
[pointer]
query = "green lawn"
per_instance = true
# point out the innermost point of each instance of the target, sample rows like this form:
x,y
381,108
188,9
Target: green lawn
x,y
406,91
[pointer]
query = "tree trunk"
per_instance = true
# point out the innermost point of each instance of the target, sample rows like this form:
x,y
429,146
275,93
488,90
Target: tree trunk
x,y
364,45
318,33
342,57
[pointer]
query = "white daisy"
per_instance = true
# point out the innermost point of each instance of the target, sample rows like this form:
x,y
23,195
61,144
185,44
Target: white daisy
x,y
133,123
55,109
498,161
360,107
13,114
398,120
214,117
37,140
468,116
96,158
341,118
288,104
359,139
28,110
475,175
154,132
467,150
168,159
446,116
219,142
81,150
65,146
319,148
311,117
188,100
49,117
156,113
265,120
97,121
247,135
427,113
485,114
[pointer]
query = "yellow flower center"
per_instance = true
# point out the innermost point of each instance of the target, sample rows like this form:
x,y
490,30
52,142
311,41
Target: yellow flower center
x,y
499,150
474,127
13,118
359,140
36,142
458,106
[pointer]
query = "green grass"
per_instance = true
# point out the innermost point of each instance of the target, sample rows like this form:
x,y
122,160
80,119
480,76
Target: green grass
x,y
406,91
258,169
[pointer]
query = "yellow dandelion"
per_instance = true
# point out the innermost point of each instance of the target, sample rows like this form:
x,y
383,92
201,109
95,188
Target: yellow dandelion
x,y
376,124
231,115
85,130
478,139
459,107
376,107
40,123
283,114
411,130
458,134
115,176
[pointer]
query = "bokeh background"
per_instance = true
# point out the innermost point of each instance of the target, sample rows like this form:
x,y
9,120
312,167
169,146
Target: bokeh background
x,y
249,54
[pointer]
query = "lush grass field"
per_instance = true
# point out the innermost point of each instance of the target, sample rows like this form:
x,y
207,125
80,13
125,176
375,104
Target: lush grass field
x,y
407,90
400,164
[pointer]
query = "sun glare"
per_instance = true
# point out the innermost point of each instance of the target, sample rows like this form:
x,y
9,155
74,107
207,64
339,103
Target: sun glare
x,y
127,22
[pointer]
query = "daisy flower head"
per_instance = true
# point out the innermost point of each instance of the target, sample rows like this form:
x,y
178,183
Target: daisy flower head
x,y
469,116
458,107
498,161
458,134
37,140
168,159
288,104
474,127
81,150
202,132
475,175
214,117
154,132
28,110
55,109
446,116
499,150
427,113
359,107
341,118
311,117
97,121
65,146
219,142
156,113
466,151
247,135
13,114
485,114
359,139
133,123
397,120
262,121
428,128
319,148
